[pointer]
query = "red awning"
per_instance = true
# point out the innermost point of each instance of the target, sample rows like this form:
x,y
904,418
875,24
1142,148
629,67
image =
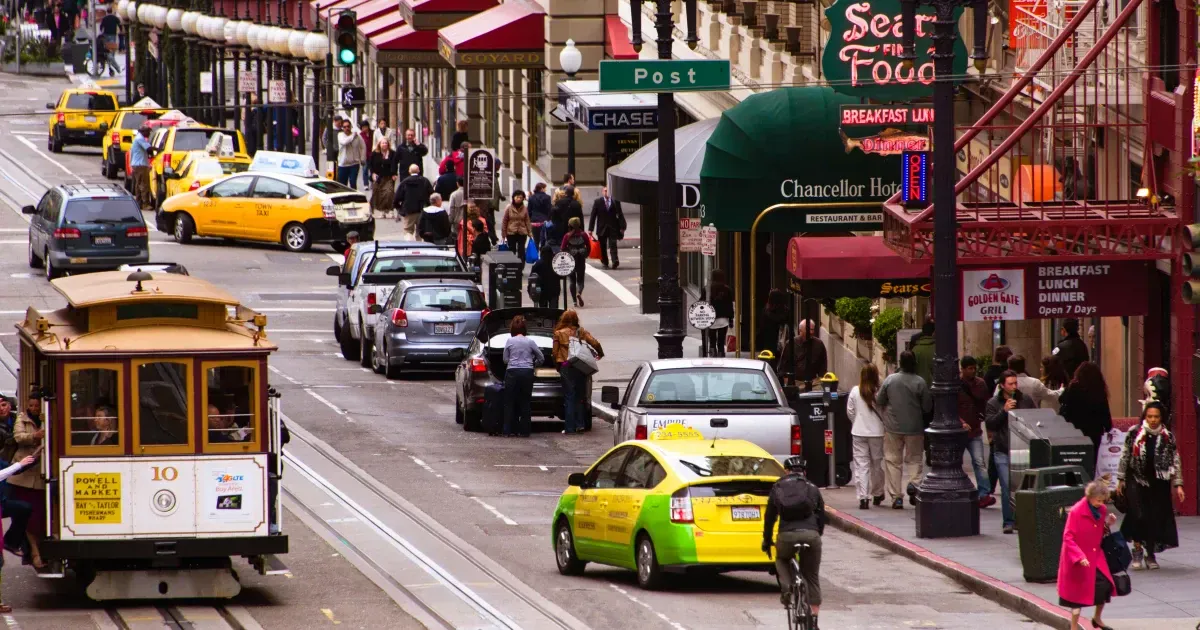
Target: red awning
x,y
406,47
849,258
511,35
381,24
616,39
427,15
374,9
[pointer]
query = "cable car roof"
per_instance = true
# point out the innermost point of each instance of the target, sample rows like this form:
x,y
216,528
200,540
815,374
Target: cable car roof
x,y
115,287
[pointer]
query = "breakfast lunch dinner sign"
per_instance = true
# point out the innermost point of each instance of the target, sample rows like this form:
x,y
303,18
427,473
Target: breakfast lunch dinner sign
x,y
1043,291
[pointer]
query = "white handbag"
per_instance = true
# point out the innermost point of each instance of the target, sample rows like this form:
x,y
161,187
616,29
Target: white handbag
x,y
581,356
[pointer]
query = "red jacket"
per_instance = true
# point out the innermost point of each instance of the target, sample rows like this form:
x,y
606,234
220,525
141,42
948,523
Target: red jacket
x,y
1081,539
972,403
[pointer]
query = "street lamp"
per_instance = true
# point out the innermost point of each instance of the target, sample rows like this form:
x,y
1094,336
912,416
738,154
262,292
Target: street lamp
x,y
571,60
670,302
946,500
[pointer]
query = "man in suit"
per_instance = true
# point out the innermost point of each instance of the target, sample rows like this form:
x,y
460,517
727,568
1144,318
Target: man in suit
x,y
607,225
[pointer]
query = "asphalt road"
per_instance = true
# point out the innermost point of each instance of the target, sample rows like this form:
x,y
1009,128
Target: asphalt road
x,y
475,509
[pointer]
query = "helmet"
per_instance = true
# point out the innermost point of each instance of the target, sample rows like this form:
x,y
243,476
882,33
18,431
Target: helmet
x,y
796,462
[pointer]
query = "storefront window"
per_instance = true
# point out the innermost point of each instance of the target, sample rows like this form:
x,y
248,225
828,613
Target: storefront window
x,y
95,403
536,116
491,91
231,407
163,406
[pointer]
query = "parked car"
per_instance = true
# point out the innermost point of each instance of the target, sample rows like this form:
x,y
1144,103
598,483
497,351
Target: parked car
x,y
484,364
426,321
116,143
86,227
81,117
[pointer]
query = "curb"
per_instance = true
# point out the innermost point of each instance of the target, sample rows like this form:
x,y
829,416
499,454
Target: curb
x,y
988,587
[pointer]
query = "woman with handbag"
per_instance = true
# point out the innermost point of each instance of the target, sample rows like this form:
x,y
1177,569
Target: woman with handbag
x,y
573,379
1149,474
1084,578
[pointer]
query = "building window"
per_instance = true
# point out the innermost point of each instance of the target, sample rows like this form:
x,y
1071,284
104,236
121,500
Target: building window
x,y
536,127
491,95
1168,43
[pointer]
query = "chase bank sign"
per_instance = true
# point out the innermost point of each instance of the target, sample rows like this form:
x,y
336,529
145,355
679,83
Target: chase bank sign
x,y
590,110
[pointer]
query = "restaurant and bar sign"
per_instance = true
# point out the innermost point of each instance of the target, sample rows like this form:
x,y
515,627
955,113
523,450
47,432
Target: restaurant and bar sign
x,y
862,56
1082,289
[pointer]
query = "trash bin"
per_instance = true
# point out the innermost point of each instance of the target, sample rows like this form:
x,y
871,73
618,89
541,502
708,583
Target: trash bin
x,y
1042,503
1039,438
810,406
75,53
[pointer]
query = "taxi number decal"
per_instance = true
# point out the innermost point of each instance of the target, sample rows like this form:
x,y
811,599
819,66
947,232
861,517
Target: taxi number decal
x,y
618,515
585,525
262,210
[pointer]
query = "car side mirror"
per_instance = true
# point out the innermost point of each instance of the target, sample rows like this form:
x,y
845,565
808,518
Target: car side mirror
x,y
576,479
28,210
50,106
169,172
333,270
374,309
610,395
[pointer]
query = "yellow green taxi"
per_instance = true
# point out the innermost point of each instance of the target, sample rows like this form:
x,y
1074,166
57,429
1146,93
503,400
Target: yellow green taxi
x,y
671,504
172,143
120,135
198,169
81,116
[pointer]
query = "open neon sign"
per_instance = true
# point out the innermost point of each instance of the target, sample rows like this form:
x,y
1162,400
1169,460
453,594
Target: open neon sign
x,y
914,178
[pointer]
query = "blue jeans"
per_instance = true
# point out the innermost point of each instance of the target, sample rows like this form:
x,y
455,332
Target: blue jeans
x,y
573,381
366,173
348,176
1006,507
518,394
979,463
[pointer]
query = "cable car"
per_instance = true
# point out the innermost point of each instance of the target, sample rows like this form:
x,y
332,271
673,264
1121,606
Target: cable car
x,y
161,454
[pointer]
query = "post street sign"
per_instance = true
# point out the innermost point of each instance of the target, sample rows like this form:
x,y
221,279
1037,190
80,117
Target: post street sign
x,y
664,75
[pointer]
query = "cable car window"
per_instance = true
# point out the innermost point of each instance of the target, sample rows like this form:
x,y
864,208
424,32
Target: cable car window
x,y
163,399
94,395
152,310
231,418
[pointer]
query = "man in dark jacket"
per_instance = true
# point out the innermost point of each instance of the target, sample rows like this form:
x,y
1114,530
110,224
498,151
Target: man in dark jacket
x,y
434,224
539,209
447,183
972,403
923,349
563,211
331,143
999,364
800,508
996,420
805,356
1072,350
412,195
411,152
608,226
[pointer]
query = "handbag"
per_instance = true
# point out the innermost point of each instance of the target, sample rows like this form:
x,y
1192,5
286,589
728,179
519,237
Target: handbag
x,y
531,251
1116,552
581,356
1122,583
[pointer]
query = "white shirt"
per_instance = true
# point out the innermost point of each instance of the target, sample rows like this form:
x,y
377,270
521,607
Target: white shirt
x,y
864,421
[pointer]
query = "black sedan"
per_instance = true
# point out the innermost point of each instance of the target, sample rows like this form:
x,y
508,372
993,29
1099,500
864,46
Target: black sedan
x,y
484,364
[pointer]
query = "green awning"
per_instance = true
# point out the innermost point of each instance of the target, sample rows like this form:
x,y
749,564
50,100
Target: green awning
x,y
785,146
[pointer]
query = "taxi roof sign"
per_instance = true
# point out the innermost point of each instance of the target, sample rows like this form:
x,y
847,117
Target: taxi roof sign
x,y
676,431
220,144
145,103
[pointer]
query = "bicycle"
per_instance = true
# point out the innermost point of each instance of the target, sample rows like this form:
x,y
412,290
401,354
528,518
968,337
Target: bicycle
x,y
799,610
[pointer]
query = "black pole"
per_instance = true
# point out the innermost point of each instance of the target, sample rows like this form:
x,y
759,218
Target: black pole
x,y
670,314
237,82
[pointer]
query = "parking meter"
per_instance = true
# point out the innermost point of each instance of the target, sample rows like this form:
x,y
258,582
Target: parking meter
x,y
829,384
505,271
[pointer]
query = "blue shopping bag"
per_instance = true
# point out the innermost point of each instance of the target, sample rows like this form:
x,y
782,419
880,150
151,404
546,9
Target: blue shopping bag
x,y
531,251
503,247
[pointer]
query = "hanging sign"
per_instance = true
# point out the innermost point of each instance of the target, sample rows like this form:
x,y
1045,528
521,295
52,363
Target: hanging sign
x,y
206,83
247,83
877,115
862,55
689,235
708,240
1064,289
276,91
888,142
481,174
563,263
914,179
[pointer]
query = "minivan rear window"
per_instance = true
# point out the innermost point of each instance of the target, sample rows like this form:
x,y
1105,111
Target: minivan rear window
x,y
92,102
443,299
135,121
118,210
197,139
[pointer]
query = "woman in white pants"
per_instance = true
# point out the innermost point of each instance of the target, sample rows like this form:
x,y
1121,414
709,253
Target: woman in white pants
x,y
867,432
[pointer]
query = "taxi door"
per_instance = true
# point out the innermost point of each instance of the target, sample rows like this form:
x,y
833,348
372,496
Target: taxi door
x,y
273,206
222,210
592,507
642,472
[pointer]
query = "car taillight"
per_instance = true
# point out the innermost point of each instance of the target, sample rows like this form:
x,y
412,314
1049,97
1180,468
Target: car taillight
x,y
67,233
62,118
478,365
328,210
795,439
639,432
136,232
484,313
370,299
195,185
166,158
116,137
400,318
681,506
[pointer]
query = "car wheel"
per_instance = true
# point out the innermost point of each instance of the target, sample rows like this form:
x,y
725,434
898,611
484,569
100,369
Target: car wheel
x,y
458,412
472,420
51,271
56,144
296,238
34,261
367,347
337,329
377,360
649,573
349,346
390,372
160,192
185,227
109,169
564,551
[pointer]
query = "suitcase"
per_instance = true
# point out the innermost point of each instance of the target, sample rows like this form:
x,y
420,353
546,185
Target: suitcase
x,y
493,408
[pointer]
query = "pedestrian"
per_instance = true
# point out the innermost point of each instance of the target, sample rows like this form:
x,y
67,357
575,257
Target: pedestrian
x,y
412,152
412,195
488,214
772,322
579,246
1084,403
1083,576
548,281
573,380
539,211
139,161
456,160
720,296
9,471
434,224
607,225
1072,350
566,206
905,399
1148,475
999,365
521,357
8,421
1055,378
382,166
329,139
460,134
383,133
351,239
351,155
972,404
141,91
1031,387
252,124
28,485
805,356
515,225
1008,398
447,181
458,208
923,349
368,136
866,435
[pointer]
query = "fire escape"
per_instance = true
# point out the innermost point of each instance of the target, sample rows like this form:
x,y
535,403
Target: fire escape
x,y
1045,171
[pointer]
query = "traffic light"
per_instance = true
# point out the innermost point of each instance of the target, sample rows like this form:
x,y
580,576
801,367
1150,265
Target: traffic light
x,y
346,37
1191,264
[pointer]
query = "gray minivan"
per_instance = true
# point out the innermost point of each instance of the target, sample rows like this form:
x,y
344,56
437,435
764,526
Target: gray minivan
x,y
86,227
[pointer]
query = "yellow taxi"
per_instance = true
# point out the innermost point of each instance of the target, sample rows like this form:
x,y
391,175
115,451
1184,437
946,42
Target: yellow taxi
x,y
673,503
172,143
127,122
197,169
269,207
81,117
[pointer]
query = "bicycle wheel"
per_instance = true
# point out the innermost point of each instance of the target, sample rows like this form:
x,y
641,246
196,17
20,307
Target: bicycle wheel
x,y
803,609
793,606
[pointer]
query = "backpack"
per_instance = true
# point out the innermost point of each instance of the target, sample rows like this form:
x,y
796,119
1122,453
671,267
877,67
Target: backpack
x,y
578,244
795,496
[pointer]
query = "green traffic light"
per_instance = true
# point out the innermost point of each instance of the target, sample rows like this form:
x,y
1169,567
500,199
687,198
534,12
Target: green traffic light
x,y
347,56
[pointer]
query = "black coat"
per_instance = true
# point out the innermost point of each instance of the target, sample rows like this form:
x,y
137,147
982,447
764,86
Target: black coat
x,y
382,167
446,184
560,215
434,226
1071,351
412,194
409,154
607,221
539,207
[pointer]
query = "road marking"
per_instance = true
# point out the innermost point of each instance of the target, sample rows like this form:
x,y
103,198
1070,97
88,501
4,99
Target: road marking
x,y
52,160
614,287
12,312
24,242
543,469
542,466
494,511
22,230
643,604
289,379
294,310
329,614
321,399
27,133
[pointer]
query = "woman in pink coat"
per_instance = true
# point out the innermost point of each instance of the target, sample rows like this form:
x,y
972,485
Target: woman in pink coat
x,y
1083,577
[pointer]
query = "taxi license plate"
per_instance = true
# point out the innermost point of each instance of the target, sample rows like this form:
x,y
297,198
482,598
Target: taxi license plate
x,y
746,513
78,261
443,329
90,118
102,240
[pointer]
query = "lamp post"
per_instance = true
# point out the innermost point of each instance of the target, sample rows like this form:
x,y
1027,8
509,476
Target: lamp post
x,y
670,302
571,60
946,500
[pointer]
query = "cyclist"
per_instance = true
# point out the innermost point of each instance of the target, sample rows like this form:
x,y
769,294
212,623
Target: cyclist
x,y
798,505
